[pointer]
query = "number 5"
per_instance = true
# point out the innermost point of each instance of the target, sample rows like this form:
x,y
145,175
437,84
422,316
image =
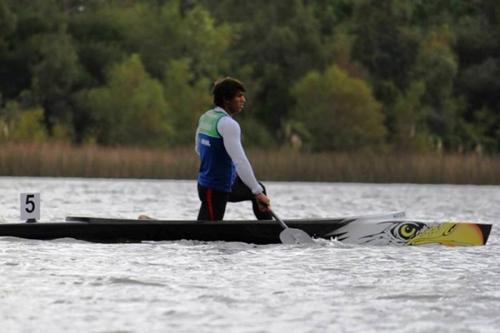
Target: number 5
x,y
30,204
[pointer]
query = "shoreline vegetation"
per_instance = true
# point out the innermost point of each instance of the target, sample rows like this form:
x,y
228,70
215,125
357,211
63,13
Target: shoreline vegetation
x,y
330,76
64,160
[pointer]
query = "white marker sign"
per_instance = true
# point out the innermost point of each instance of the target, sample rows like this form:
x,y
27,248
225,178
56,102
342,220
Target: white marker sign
x,y
30,206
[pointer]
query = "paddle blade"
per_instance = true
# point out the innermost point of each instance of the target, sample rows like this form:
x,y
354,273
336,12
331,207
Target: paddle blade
x,y
295,236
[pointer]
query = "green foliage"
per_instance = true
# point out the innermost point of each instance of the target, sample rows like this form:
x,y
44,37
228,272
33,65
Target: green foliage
x,y
54,76
433,67
100,43
131,108
19,124
385,41
162,32
25,22
202,41
281,42
478,131
7,20
338,111
437,67
410,131
255,134
187,98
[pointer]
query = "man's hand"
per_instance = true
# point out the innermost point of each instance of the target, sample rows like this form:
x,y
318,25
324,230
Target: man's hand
x,y
263,202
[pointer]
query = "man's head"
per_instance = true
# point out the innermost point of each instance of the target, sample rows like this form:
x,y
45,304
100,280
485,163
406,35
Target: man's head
x,y
229,95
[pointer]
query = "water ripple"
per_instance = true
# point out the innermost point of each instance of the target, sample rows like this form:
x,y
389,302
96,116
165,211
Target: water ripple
x,y
191,286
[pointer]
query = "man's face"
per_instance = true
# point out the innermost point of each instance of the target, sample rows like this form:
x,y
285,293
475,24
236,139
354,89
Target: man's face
x,y
236,104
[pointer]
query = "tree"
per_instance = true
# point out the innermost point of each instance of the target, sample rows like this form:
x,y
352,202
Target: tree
x,y
7,23
339,112
131,108
433,65
410,129
385,44
277,43
54,77
24,22
7,26
99,42
169,30
22,124
437,68
187,98
478,81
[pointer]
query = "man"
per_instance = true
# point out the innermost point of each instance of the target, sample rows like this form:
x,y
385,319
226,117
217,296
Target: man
x,y
225,173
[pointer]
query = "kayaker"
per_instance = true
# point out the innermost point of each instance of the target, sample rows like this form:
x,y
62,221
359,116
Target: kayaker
x,y
225,173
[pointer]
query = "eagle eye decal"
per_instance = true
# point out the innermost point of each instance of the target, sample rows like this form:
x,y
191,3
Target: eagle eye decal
x,y
406,230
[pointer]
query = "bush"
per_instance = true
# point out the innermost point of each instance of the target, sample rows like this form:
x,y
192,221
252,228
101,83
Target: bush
x,y
131,109
339,112
18,124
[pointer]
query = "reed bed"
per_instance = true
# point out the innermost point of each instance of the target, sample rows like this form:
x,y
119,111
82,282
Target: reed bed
x,y
61,160
381,168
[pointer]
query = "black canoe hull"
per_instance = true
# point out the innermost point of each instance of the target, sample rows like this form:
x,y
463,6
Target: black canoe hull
x,y
255,232
348,230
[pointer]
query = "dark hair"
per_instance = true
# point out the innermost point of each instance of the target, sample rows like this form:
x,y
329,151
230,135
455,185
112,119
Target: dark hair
x,y
226,89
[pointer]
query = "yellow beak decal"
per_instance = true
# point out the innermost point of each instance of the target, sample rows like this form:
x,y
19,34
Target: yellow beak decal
x,y
451,234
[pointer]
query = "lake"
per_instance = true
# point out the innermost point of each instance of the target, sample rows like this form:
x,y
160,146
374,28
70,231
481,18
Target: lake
x,y
188,286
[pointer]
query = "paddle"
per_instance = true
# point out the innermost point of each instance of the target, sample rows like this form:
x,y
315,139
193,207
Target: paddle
x,y
292,235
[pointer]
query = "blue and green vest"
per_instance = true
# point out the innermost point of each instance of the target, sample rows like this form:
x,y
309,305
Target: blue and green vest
x,y
217,170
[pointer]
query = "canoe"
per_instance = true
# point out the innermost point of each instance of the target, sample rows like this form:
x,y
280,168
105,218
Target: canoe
x,y
385,229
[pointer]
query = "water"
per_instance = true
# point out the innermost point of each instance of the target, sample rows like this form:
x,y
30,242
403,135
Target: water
x,y
188,286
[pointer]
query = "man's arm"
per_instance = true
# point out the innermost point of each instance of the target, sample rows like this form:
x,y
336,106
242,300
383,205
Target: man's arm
x,y
231,133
